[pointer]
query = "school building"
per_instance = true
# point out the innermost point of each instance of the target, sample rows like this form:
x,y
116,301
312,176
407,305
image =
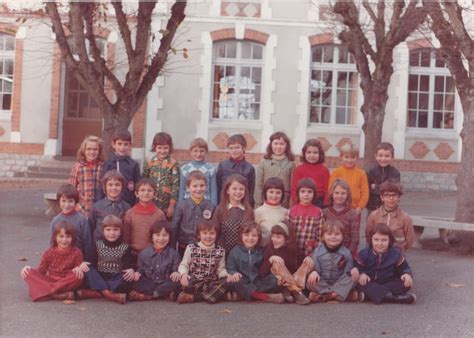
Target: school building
x,y
252,67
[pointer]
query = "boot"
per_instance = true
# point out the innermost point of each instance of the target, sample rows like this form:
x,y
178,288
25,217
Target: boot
x,y
120,298
356,296
69,295
87,293
404,298
287,295
300,298
303,272
137,296
320,298
184,298
275,298
173,296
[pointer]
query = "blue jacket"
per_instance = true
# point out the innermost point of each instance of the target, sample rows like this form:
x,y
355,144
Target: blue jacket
x,y
158,266
130,169
332,265
246,262
103,208
376,176
244,168
382,268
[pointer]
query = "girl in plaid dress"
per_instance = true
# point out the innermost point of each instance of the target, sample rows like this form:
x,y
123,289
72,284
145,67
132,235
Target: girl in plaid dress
x,y
233,210
87,171
305,218
164,170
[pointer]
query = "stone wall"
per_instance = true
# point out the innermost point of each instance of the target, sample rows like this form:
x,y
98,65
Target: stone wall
x,y
11,164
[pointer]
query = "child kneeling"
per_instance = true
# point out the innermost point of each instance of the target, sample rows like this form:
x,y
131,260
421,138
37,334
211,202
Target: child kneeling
x,y
243,266
334,276
110,272
385,273
157,267
203,273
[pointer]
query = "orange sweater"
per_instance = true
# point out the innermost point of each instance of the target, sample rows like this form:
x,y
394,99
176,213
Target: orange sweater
x,y
357,180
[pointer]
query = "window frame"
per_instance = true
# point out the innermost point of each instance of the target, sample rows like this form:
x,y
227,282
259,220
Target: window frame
x,y
237,63
335,67
7,55
432,72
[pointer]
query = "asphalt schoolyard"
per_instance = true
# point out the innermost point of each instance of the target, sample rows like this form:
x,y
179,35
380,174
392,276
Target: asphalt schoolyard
x,y
443,284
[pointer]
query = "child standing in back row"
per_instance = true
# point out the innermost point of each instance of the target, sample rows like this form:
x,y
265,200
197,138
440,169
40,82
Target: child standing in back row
x,y
121,161
165,172
87,171
353,175
236,164
277,162
199,149
379,173
312,159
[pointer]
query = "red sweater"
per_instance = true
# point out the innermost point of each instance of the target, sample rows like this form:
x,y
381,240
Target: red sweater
x,y
318,173
56,262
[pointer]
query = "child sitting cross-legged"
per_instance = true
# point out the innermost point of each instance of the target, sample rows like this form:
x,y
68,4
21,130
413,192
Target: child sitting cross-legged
x,y
110,272
334,276
203,273
385,275
280,260
59,272
243,265
157,267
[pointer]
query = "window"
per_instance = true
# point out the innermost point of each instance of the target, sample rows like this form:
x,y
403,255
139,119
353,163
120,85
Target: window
x,y
237,80
431,92
7,57
333,86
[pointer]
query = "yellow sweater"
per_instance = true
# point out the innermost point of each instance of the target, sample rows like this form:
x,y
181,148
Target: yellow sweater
x,y
357,180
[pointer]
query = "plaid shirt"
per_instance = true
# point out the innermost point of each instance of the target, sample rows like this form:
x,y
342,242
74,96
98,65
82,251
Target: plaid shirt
x,y
85,176
166,174
306,221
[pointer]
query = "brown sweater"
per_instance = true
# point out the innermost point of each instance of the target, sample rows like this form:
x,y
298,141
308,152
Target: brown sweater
x,y
399,222
137,224
351,222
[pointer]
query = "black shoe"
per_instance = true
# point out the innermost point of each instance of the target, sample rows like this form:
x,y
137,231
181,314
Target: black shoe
x,y
404,298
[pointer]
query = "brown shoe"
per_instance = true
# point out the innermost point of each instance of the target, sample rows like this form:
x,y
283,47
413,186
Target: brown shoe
x,y
69,295
275,298
88,293
185,298
316,297
300,298
355,296
137,296
173,296
120,298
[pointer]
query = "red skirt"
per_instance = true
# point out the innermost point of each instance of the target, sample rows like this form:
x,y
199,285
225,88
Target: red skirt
x,y
41,286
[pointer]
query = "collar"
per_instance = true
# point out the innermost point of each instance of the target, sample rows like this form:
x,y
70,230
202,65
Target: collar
x,y
112,244
73,212
279,158
393,213
149,209
240,206
205,247
197,201
272,205
237,160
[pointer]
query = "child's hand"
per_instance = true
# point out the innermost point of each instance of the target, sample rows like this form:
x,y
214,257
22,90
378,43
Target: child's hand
x,y
355,274
128,275
175,276
358,210
313,278
184,280
78,272
363,279
276,260
84,266
170,211
136,276
407,280
234,278
25,271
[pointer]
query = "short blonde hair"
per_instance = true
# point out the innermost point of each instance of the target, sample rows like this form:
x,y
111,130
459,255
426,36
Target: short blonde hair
x,y
199,143
81,152
350,149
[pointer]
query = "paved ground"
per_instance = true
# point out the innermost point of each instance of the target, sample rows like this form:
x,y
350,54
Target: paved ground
x,y
443,284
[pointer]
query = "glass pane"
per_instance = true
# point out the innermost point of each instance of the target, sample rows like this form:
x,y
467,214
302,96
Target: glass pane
x,y
72,105
414,59
246,50
314,115
449,103
9,43
231,49
440,63
327,79
437,119
315,76
230,71
341,80
425,58
83,105
219,50
351,115
326,97
439,84
315,98
449,85
8,70
325,114
423,101
449,121
412,101
328,55
340,115
424,83
411,118
7,86
343,55
6,101
413,83
438,102
245,71
257,93
317,54
257,75
423,119
246,110
1,66
341,98
257,51
256,109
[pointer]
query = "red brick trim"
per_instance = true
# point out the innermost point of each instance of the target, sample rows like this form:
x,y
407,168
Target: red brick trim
x,y
256,36
7,28
17,81
138,128
22,148
223,34
419,44
321,39
55,93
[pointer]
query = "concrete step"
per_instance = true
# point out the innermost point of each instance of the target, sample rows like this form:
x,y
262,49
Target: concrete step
x,y
42,169
43,174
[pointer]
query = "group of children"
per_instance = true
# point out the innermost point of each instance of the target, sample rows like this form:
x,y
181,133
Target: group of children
x,y
191,233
